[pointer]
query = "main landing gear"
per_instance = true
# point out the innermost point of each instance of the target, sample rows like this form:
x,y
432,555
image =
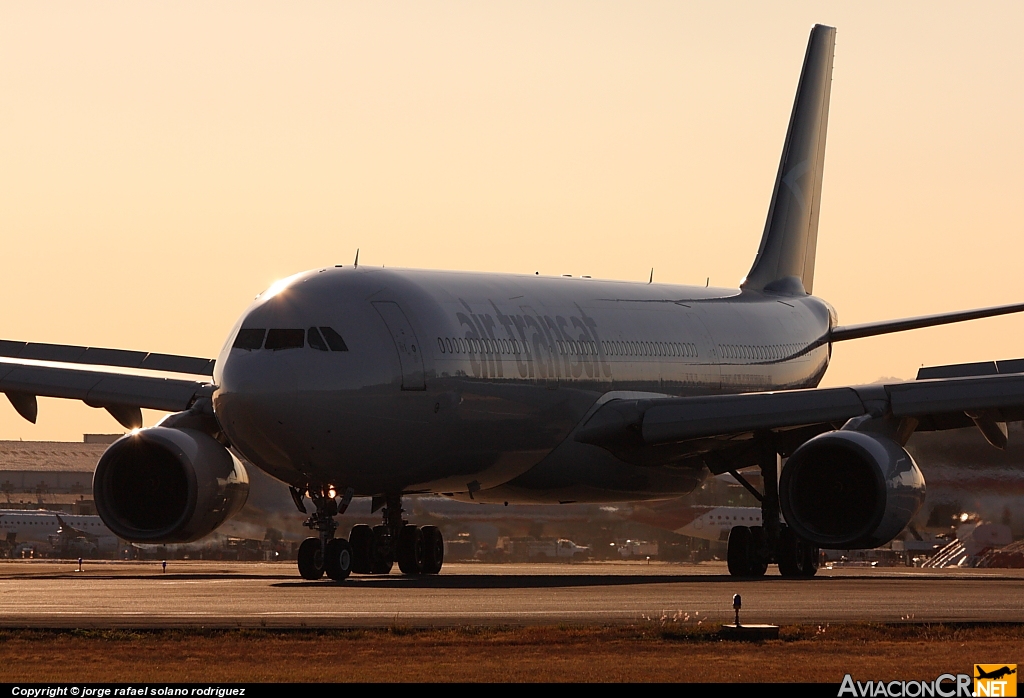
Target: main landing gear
x,y
418,550
753,548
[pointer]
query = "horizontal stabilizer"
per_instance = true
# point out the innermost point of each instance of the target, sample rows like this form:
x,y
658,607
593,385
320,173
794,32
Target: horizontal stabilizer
x,y
95,356
870,329
978,368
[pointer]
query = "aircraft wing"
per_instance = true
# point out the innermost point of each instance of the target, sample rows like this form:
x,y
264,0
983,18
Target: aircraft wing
x,y
73,354
719,429
121,394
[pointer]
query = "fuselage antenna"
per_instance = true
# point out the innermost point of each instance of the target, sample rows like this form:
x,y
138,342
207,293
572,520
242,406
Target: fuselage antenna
x,y
356,263
651,280
708,282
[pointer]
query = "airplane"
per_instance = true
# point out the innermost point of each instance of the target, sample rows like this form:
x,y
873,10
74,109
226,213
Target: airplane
x,y
713,523
42,526
351,381
995,674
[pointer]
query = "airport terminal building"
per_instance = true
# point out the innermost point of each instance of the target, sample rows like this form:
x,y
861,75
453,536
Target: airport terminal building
x,y
54,475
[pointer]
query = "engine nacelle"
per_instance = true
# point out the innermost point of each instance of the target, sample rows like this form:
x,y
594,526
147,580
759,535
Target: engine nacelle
x,y
163,485
850,489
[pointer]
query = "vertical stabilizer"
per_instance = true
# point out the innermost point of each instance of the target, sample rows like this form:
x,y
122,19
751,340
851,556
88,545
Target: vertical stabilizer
x,y
785,259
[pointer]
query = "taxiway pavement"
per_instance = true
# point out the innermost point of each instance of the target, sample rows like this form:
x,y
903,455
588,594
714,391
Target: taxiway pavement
x,y
248,594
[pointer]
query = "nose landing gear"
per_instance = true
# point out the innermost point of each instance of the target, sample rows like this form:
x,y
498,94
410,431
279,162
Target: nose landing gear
x,y
324,554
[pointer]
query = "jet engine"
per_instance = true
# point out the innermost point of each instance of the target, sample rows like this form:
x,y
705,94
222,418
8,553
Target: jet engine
x,y
164,485
850,489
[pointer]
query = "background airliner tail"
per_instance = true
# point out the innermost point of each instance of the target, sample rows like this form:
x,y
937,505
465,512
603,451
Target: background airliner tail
x,y
785,259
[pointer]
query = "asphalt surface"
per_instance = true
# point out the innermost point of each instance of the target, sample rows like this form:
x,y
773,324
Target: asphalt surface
x,y
247,594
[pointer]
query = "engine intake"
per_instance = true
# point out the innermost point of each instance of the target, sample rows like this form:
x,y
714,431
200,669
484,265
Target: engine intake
x,y
850,489
163,485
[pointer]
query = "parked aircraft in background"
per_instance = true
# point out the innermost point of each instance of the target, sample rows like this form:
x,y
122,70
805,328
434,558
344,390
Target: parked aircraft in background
x,y
712,523
346,381
87,535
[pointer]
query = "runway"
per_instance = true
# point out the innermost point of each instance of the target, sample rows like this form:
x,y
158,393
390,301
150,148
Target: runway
x,y
246,594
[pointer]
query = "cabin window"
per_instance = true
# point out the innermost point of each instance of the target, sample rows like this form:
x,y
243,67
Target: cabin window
x,y
249,339
315,339
278,339
334,340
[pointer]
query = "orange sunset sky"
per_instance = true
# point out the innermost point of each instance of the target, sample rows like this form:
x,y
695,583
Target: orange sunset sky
x,y
162,163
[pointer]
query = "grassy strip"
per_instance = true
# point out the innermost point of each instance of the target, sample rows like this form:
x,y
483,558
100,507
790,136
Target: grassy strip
x,y
653,651
647,631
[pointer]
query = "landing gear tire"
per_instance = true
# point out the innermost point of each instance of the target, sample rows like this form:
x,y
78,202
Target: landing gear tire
x,y
311,559
382,555
411,553
807,558
797,557
359,538
433,549
758,549
787,553
338,559
739,553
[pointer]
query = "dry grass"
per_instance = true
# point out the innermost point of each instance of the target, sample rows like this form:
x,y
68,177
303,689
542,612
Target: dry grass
x,y
650,652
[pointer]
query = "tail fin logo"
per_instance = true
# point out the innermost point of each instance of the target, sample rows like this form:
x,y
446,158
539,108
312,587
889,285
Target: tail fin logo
x,y
792,180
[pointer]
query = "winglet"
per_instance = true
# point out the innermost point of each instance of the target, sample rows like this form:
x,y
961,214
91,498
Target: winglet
x,y
785,259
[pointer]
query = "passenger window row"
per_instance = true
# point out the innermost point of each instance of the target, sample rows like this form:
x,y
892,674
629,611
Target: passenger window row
x,y
322,338
761,353
631,348
458,345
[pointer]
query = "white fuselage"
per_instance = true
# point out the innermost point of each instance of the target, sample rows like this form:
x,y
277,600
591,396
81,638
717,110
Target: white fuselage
x,y
470,384
38,526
